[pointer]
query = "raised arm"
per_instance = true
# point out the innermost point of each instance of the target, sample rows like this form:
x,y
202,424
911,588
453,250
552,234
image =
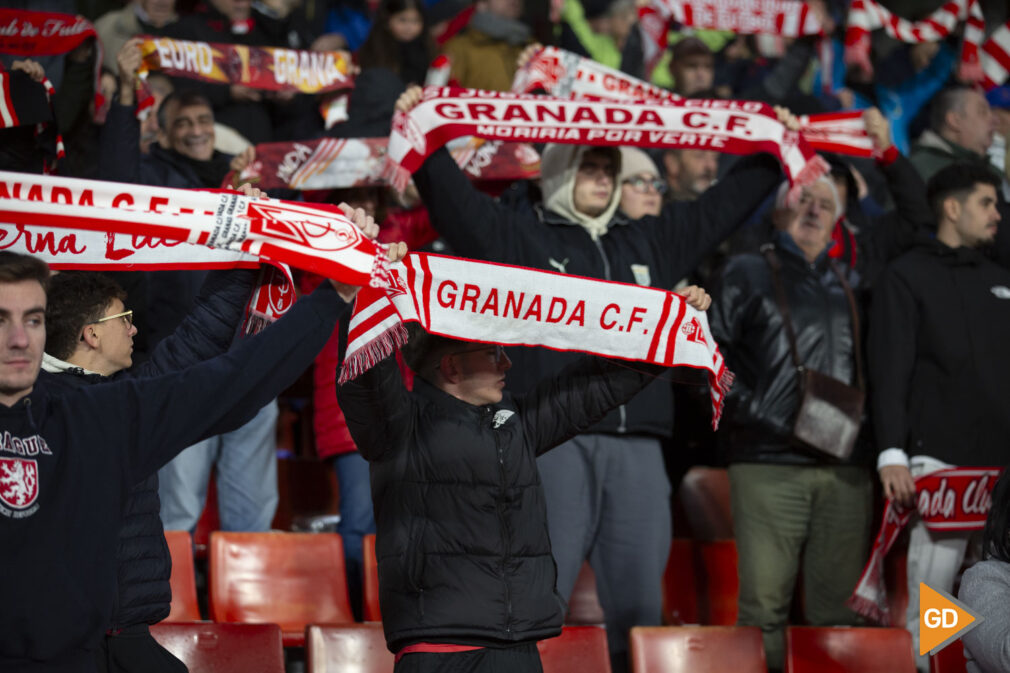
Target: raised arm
x,y
209,328
378,409
579,396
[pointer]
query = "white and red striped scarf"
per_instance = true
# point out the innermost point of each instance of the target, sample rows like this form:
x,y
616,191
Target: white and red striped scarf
x,y
34,34
996,57
498,303
787,18
96,225
9,118
728,126
866,16
566,75
952,499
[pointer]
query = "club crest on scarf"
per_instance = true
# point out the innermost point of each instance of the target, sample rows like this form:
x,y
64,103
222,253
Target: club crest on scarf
x,y
694,332
319,234
19,482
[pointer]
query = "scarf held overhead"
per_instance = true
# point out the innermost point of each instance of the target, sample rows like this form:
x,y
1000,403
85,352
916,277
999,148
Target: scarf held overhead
x,y
787,18
953,499
497,303
866,16
27,33
334,163
263,68
64,214
728,126
566,75
996,57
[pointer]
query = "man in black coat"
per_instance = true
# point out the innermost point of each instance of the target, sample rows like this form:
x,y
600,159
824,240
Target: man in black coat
x,y
89,340
939,363
466,576
622,525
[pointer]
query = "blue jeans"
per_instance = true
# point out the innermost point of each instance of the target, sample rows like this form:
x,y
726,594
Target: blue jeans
x,y
246,477
356,518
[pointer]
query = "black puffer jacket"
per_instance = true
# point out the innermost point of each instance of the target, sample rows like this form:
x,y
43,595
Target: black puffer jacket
x,y
747,324
144,565
656,251
462,546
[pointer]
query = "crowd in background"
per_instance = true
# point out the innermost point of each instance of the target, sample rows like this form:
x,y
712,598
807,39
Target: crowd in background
x,y
934,375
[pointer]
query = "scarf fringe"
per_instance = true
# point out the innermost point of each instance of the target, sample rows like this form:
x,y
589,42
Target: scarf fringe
x,y
879,614
858,53
970,72
397,175
815,167
373,352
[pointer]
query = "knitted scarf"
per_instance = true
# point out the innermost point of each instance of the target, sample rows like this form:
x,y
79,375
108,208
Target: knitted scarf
x,y
867,15
729,126
996,57
566,75
497,303
264,68
27,33
787,18
956,498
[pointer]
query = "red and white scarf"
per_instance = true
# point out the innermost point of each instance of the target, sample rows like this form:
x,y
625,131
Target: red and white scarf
x,y
566,75
72,222
866,16
996,57
498,303
335,163
27,33
952,499
264,68
728,126
787,18
10,117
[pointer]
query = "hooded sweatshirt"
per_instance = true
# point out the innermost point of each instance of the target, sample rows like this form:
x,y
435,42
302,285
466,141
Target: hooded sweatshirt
x,y
558,166
68,459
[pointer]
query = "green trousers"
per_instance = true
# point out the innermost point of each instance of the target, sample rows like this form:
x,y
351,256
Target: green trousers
x,y
785,516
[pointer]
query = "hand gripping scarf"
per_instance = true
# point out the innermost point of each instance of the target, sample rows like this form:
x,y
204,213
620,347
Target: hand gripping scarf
x,y
498,303
866,16
27,33
566,75
787,18
728,126
953,499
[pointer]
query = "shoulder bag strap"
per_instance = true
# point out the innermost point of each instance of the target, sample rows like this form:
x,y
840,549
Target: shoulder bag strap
x,y
857,350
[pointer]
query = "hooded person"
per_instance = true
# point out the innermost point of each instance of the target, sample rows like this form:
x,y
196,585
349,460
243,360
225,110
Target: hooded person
x,y
577,229
641,187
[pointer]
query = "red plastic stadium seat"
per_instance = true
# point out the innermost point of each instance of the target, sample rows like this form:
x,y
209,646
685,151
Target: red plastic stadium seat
x,y
579,649
701,585
291,579
224,648
949,660
680,584
697,649
703,495
359,648
816,649
370,589
183,581
584,606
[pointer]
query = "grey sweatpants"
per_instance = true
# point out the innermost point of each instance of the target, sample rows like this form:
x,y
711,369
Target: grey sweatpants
x,y
608,500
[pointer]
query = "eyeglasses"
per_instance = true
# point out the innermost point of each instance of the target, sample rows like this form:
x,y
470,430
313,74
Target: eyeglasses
x,y
499,351
127,317
642,184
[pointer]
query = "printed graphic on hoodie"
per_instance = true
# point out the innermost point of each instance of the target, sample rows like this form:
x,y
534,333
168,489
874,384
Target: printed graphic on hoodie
x,y
19,486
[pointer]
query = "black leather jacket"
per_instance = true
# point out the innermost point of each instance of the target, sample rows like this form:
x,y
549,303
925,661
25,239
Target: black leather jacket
x,y
749,327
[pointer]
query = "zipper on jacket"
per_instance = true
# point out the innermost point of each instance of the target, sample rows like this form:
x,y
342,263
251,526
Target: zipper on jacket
x,y
622,426
504,533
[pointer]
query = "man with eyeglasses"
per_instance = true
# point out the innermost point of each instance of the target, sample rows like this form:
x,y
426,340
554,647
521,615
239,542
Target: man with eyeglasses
x,y
467,580
89,340
623,525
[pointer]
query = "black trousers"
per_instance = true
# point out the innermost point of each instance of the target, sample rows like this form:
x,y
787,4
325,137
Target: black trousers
x,y
136,651
519,659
